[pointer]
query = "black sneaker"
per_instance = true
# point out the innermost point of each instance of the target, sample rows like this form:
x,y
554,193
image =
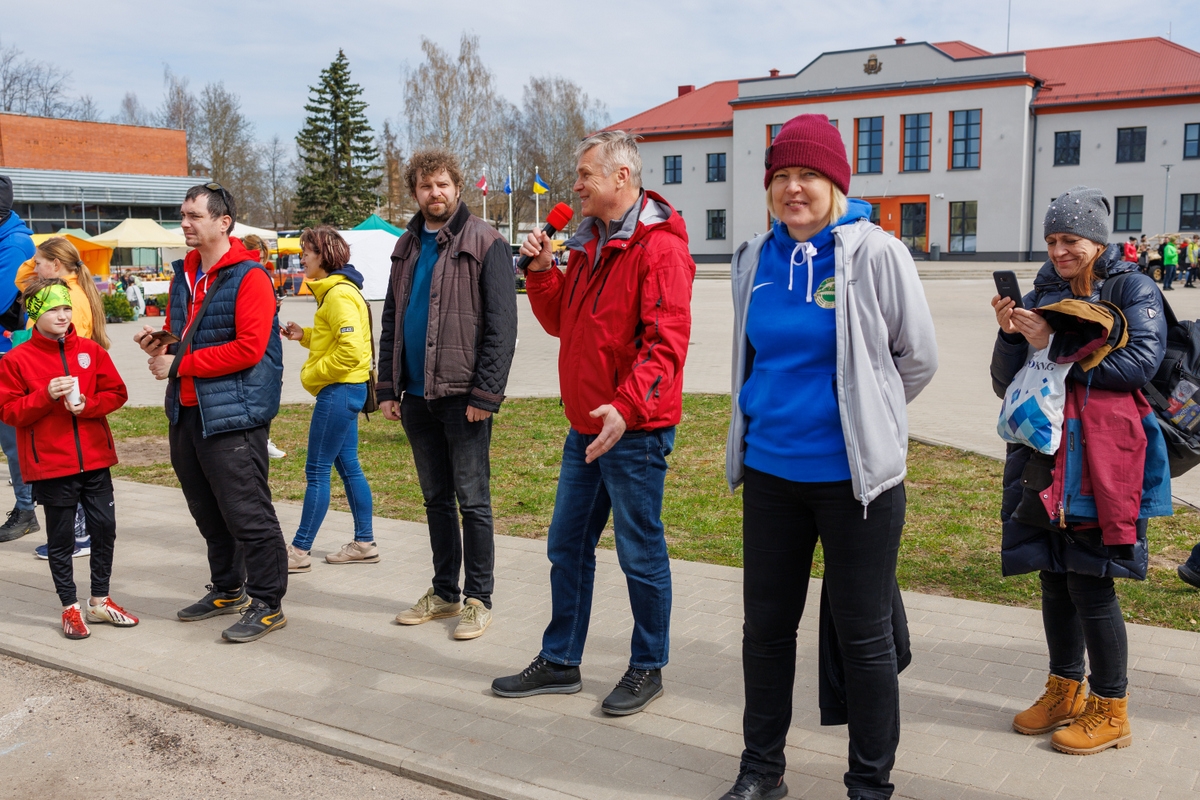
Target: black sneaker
x,y
1188,575
540,677
754,785
215,603
636,690
257,621
18,524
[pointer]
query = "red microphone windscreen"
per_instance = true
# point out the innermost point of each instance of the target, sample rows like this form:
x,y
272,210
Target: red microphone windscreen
x,y
559,216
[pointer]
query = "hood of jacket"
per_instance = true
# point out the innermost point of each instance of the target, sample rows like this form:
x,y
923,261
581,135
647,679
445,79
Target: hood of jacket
x,y
236,254
1111,262
13,225
655,214
351,274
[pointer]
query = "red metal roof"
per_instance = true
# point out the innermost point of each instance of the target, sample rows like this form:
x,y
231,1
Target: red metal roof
x,y
701,110
1133,69
960,49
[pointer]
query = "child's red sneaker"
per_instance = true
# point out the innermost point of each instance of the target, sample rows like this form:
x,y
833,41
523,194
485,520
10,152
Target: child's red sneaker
x,y
110,612
73,624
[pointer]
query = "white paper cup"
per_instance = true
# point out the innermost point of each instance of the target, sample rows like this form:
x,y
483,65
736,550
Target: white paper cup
x,y
73,395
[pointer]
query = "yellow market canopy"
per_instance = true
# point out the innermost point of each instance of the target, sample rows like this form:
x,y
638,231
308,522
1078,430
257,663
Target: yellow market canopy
x,y
139,233
96,256
289,245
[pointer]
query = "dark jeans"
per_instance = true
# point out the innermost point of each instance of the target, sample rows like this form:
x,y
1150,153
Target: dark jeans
x,y
1169,275
628,481
224,480
1081,612
453,463
8,443
781,523
93,490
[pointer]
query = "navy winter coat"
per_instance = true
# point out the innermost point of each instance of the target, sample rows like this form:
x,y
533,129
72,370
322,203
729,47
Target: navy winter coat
x,y
1025,548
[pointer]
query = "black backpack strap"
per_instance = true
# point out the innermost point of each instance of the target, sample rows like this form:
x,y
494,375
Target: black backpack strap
x,y
190,333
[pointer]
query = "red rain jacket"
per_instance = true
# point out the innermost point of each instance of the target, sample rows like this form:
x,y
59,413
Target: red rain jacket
x,y
624,325
51,441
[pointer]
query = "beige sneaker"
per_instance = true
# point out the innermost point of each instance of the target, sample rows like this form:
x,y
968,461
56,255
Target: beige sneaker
x,y
474,620
355,553
430,606
298,560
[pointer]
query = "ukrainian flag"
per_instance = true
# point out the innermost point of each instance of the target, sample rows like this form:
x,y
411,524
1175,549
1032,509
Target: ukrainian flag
x,y
539,185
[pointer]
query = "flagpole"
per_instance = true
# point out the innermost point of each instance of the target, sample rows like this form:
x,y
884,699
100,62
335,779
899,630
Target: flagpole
x,y
485,216
511,226
537,202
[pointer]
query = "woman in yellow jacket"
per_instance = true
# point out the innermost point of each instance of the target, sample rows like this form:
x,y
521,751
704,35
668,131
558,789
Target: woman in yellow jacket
x,y
336,373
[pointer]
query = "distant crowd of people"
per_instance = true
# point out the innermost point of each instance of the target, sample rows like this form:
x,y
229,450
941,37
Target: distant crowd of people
x,y
832,339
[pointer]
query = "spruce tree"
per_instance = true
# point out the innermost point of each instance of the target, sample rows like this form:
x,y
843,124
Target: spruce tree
x,y
337,153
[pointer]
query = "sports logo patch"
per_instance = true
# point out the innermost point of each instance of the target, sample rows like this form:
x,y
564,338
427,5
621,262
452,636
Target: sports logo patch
x,y
348,329
824,295
85,360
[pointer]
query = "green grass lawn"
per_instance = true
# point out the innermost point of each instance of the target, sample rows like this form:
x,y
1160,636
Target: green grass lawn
x,y
951,543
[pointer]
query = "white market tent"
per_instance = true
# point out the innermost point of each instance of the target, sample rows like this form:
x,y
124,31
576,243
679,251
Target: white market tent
x,y
140,233
371,254
241,231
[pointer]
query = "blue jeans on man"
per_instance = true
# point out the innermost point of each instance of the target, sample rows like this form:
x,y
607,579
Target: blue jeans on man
x,y
627,482
333,443
8,443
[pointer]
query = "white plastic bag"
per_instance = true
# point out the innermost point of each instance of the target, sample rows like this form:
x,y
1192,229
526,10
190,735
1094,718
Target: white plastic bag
x,y
1033,407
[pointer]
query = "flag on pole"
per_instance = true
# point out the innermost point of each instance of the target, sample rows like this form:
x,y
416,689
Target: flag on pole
x,y
539,185
482,185
508,185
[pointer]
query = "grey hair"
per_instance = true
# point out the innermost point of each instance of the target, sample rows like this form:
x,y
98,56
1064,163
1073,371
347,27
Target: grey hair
x,y
617,149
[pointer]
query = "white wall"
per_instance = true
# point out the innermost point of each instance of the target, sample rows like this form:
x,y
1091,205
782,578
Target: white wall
x,y
695,195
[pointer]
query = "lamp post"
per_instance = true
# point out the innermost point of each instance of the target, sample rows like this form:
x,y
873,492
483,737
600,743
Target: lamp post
x,y
1166,194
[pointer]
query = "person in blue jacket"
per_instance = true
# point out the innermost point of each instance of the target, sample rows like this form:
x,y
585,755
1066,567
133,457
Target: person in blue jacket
x,y
16,247
1080,609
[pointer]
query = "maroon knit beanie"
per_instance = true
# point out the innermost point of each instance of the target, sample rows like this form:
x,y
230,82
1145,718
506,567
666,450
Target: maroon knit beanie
x,y
810,141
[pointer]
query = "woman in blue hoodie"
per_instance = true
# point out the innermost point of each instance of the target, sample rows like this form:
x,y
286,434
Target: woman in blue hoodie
x,y
832,338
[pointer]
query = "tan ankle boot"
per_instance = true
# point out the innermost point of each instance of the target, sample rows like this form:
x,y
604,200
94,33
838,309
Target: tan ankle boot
x,y
1059,705
1104,723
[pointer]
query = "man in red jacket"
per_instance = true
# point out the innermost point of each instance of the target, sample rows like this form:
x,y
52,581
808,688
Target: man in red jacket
x,y
622,313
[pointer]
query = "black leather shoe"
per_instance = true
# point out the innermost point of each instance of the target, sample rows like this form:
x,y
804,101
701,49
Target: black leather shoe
x,y
257,621
19,524
215,603
540,677
754,785
1188,575
636,690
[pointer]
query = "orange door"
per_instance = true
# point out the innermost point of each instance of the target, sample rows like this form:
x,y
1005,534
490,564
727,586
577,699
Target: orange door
x,y
904,216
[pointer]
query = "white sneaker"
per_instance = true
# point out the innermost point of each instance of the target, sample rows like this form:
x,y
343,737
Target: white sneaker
x,y
273,451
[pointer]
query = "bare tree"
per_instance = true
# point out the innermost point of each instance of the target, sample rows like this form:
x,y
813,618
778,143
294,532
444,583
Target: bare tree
x,y
180,110
279,182
225,145
132,112
28,86
396,201
85,109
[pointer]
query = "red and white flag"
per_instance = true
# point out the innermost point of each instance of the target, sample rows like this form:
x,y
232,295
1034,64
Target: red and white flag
x,y
483,185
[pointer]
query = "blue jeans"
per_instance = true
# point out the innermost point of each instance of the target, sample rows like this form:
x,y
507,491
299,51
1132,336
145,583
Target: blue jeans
x,y
453,461
628,481
333,442
8,442
1169,275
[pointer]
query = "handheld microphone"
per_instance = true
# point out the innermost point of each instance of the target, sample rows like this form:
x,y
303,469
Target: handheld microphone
x,y
556,220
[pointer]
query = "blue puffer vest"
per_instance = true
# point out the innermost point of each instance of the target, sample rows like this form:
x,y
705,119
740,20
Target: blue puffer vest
x,y
241,400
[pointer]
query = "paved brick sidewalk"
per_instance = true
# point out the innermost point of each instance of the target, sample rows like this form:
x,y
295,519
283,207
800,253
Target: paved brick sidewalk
x,y
343,678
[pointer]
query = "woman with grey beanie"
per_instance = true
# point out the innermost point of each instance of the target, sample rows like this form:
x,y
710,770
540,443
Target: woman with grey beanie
x,y
1078,558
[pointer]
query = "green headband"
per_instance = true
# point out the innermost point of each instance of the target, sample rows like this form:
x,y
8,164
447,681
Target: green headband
x,y
46,299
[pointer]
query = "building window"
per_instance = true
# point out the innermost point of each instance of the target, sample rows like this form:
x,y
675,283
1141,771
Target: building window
x,y
1191,140
716,223
672,169
962,226
1128,218
1131,145
914,223
1189,212
870,145
772,132
965,126
916,142
1066,148
716,170
875,213
833,122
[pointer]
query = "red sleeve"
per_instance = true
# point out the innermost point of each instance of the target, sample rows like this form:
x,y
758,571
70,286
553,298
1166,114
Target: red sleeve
x,y
666,314
544,290
18,408
110,392
253,322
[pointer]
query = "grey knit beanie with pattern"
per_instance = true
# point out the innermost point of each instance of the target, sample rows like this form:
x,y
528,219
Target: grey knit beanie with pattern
x,y
1079,211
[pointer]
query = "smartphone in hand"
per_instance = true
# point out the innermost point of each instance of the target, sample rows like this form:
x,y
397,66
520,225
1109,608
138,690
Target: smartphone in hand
x,y
1007,286
164,337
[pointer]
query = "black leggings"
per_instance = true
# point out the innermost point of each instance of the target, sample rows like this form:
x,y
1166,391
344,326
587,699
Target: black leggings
x,y
60,497
1081,612
782,521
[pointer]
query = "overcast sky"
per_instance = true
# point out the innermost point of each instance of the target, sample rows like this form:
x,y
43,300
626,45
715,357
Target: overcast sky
x,y
631,55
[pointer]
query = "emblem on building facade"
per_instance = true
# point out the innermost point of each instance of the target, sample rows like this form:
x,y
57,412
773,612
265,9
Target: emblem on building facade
x,y
873,65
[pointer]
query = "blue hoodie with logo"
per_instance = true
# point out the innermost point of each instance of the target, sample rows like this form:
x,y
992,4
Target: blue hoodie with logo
x,y
794,429
16,247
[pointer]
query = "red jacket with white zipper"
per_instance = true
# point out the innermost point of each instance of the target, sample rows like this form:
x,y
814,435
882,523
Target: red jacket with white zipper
x,y
51,441
623,325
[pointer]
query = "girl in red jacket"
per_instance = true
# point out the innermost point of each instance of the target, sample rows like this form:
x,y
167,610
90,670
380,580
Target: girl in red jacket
x,y
56,390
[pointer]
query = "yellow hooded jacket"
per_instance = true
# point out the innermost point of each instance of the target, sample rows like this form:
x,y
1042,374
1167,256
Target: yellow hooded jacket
x,y
339,342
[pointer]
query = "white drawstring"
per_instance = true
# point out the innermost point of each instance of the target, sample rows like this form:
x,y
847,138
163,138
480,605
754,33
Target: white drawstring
x,y
809,252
